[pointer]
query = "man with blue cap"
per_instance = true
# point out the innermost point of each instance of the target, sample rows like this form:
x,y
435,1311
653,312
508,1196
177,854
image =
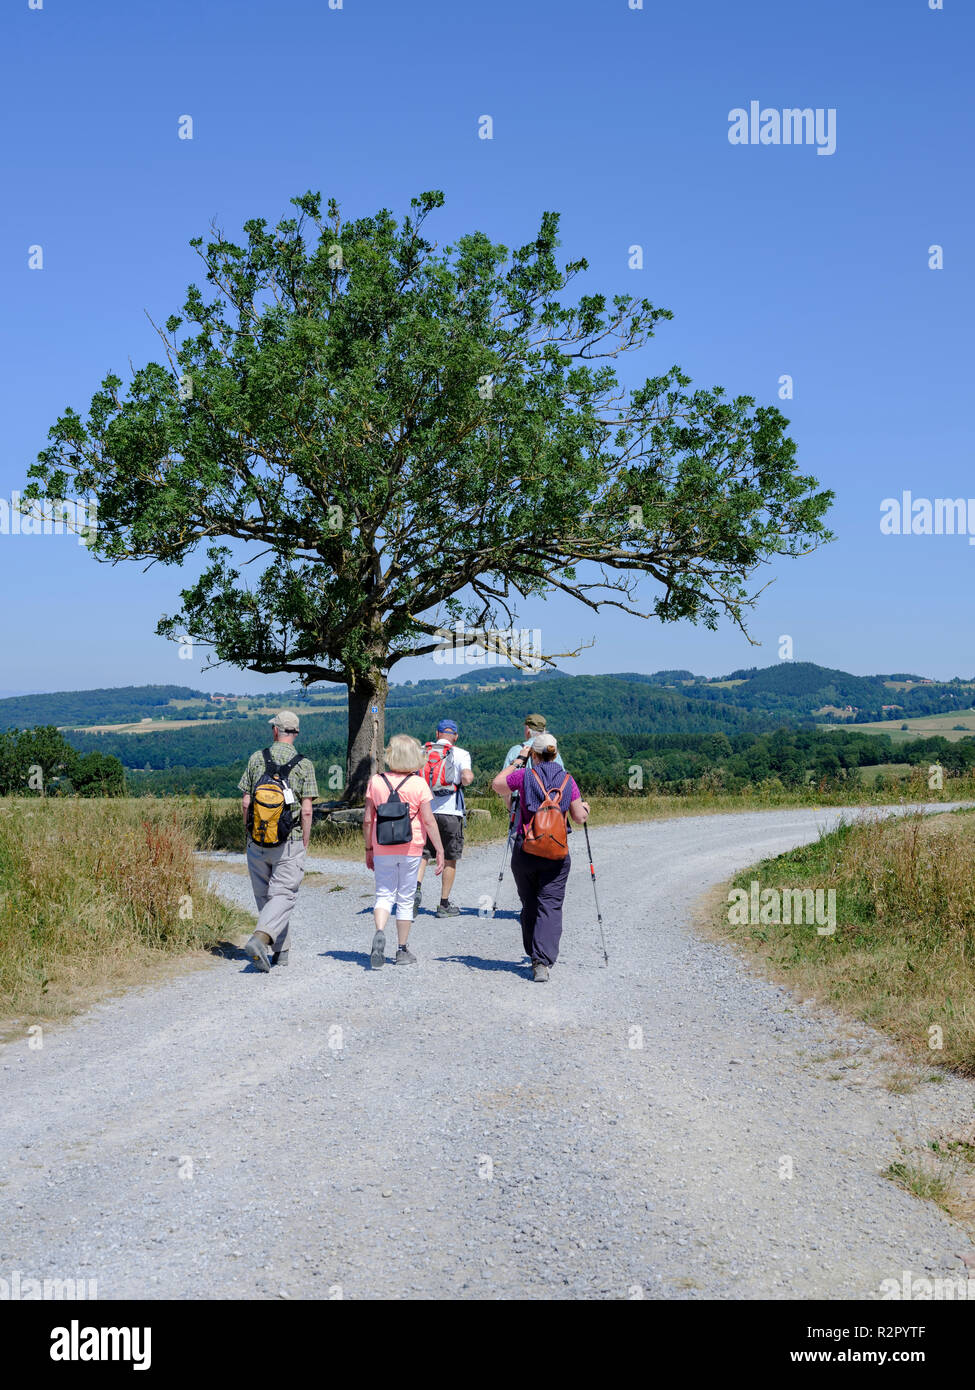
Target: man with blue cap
x,y
448,772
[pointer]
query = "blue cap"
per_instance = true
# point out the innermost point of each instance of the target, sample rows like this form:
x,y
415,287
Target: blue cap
x,y
447,726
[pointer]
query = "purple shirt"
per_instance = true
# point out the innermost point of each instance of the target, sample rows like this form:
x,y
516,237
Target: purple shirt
x,y
516,781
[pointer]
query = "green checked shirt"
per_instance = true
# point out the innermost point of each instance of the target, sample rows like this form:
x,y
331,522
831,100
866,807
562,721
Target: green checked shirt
x,y
301,779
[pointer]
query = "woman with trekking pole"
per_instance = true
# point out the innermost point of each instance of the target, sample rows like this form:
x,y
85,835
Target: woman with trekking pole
x,y
540,859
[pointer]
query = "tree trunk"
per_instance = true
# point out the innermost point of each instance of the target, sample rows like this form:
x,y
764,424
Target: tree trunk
x,y
367,734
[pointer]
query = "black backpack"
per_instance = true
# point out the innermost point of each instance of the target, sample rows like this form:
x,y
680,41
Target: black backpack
x,y
393,820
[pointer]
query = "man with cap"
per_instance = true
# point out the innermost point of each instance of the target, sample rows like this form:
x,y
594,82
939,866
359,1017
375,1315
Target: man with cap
x,y
534,724
448,810
277,870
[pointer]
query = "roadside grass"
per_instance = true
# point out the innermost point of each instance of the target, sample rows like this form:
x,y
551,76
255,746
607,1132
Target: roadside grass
x,y
943,1172
902,957
923,1181
94,896
220,825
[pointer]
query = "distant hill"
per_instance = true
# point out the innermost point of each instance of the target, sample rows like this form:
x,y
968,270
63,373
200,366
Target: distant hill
x,y
114,705
591,704
799,690
489,703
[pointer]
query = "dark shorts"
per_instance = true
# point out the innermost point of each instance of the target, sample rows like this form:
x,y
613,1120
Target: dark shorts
x,y
451,833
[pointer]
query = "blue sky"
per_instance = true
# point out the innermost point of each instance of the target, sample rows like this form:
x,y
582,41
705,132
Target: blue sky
x,y
774,259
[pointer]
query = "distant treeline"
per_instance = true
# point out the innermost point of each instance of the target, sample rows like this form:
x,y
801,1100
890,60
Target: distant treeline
x,y
594,704
799,688
608,763
489,699
109,706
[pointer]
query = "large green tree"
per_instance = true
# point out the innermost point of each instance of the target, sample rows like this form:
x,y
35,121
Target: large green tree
x,y
40,761
410,438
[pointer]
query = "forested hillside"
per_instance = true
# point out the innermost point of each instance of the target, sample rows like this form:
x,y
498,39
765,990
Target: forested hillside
x,y
593,704
753,725
793,692
119,705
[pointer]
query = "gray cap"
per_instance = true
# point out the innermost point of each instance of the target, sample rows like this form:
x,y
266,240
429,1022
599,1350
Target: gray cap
x,y
286,720
542,742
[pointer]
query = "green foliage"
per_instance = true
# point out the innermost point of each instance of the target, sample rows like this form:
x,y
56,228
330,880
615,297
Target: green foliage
x,y
36,762
342,387
79,707
97,774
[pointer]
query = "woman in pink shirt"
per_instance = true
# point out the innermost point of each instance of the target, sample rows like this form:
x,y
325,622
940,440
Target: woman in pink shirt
x,y
396,866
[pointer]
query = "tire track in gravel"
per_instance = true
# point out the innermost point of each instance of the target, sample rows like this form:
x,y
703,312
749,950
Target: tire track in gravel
x,y
475,1135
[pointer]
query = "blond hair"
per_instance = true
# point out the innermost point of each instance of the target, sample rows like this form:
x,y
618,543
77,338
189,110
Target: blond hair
x,y
404,754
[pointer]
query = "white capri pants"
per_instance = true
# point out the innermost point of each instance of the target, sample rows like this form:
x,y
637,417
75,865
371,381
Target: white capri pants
x,y
396,883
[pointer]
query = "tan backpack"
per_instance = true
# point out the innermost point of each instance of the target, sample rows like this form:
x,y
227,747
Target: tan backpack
x,y
546,834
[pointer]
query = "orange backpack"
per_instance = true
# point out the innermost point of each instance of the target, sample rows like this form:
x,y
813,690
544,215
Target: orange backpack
x,y
546,834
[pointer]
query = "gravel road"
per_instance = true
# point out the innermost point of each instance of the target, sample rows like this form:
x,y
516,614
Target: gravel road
x,y
452,1130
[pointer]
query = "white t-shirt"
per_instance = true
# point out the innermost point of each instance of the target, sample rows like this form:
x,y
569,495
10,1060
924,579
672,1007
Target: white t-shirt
x,y
452,804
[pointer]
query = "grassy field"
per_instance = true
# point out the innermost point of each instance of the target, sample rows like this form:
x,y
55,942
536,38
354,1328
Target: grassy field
x,y
902,957
141,726
94,896
924,726
869,775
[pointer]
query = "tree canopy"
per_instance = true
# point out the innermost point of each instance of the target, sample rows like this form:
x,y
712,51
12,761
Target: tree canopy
x,y
41,762
411,437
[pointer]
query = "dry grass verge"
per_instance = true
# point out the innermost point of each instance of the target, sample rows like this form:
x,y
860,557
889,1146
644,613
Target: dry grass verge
x,y
96,895
902,957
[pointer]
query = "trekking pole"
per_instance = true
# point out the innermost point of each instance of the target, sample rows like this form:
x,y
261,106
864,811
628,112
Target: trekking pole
x,y
599,915
507,846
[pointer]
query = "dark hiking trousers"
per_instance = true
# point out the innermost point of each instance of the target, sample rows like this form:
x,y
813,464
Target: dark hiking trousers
x,y
541,888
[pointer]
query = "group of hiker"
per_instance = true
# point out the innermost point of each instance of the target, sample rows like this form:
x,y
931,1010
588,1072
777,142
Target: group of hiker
x,y
414,813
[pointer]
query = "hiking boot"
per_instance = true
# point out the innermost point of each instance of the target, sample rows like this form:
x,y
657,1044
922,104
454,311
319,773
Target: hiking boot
x,y
539,972
417,899
256,951
404,956
280,957
447,909
377,956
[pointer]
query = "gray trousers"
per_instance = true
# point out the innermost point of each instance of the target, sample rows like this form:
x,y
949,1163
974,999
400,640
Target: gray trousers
x,y
276,872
